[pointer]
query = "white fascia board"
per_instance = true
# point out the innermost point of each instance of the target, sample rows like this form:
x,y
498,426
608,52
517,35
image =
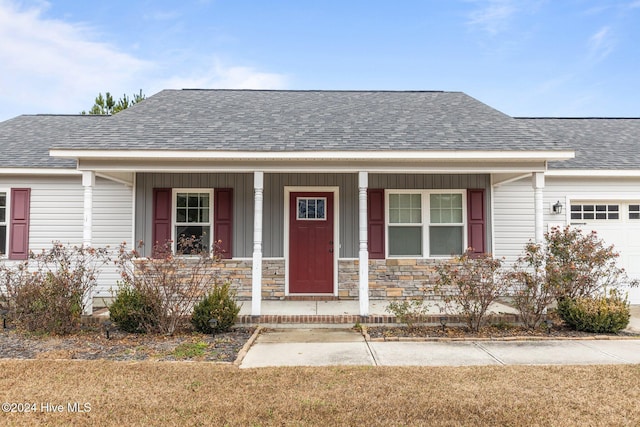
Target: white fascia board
x,y
39,171
316,155
324,167
614,173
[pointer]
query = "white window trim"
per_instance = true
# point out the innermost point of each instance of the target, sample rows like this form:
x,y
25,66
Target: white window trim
x,y
623,209
426,220
622,201
313,219
174,223
7,219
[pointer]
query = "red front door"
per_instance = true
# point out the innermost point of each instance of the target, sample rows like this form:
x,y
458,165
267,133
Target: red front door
x,y
311,243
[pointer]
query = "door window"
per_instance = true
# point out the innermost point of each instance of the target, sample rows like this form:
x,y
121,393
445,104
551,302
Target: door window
x,y
312,208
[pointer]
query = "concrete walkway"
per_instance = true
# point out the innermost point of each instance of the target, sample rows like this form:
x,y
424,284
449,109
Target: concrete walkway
x,y
297,345
327,347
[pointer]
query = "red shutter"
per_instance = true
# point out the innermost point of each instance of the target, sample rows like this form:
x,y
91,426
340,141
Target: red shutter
x,y
476,222
161,228
19,223
375,223
223,219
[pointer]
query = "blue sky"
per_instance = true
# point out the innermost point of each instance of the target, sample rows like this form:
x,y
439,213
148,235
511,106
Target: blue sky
x,y
523,57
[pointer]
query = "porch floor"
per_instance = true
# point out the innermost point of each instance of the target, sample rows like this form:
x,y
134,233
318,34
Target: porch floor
x,y
342,312
337,313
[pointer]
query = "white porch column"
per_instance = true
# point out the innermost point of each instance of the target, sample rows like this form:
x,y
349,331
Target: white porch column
x,y
363,255
256,276
538,185
88,182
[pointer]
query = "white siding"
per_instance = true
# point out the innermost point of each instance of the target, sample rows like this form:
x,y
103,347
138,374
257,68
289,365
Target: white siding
x,y
514,212
57,214
112,225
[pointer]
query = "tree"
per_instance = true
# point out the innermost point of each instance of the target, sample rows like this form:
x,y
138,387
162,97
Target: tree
x,y
107,105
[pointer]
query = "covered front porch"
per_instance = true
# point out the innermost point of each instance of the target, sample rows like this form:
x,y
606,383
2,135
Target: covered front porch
x,y
367,261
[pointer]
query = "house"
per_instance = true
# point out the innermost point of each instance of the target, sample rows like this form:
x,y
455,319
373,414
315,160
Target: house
x,y
42,198
599,189
314,194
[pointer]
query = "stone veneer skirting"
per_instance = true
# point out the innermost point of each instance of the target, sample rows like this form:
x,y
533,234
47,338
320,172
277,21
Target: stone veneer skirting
x,y
388,278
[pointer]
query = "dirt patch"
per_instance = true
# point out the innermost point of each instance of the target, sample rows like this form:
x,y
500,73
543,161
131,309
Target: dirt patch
x,y
93,345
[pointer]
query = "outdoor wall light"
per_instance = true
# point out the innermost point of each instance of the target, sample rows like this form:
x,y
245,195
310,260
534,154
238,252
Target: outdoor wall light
x,y
557,207
107,328
443,322
213,323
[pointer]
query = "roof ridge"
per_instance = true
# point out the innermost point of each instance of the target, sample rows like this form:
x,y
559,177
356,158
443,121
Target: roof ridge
x,y
578,118
315,90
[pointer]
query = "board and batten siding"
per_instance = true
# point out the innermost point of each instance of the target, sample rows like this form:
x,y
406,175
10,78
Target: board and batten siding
x,y
242,184
440,182
513,212
57,206
273,215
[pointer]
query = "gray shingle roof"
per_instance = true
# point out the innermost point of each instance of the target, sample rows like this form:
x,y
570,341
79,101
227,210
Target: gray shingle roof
x,y
25,140
599,143
255,120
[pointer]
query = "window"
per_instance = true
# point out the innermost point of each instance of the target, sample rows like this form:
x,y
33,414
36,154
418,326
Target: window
x,y
425,223
312,208
634,211
3,223
595,212
405,224
192,220
446,224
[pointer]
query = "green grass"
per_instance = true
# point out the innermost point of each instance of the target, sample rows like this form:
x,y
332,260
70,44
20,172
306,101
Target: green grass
x,y
190,350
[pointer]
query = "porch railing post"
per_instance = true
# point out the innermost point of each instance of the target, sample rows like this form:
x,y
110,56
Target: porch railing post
x,y
363,255
256,272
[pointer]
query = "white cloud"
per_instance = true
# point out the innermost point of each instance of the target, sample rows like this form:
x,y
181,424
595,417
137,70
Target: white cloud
x,y
494,16
634,4
48,65
601,44
220,76
54,66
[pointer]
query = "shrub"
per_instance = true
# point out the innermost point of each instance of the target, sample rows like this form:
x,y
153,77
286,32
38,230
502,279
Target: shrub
x,y
608,313
579,264
134,311
172,283
571,265
529,288
48,292
469,284
408,311
218,304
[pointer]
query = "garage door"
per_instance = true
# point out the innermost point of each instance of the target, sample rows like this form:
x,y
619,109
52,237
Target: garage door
x,y
617,223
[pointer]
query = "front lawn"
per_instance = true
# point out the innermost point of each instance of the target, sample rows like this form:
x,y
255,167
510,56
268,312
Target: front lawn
x,y
200,393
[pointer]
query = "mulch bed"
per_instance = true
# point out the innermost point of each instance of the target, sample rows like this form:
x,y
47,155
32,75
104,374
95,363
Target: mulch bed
x,y
486,332
93,345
